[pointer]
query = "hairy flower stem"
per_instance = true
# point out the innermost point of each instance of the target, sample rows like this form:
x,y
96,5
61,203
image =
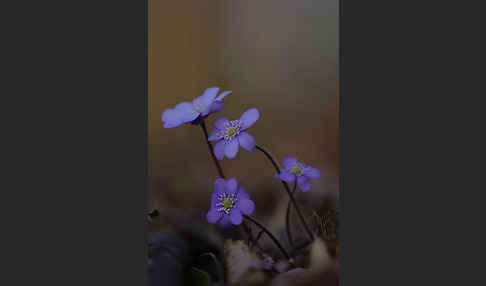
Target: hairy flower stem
x,y
284,252
211,150
287,219
299,213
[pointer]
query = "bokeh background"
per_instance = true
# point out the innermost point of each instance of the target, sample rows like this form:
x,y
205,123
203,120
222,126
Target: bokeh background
x,y
278,56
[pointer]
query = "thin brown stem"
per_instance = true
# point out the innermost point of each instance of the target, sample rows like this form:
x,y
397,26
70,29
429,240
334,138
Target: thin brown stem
x,y
252,239
259,235
287,219
272,237
299,213
211,150
248,233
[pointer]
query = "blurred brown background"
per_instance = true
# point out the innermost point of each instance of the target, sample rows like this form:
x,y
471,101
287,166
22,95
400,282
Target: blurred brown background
x,y
278,56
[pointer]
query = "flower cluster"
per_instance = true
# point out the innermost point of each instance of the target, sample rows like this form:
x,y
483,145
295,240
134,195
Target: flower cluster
x,y
229,203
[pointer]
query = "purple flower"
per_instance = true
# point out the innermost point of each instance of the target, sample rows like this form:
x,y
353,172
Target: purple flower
x,y
229,203
293,170
202,106
232,134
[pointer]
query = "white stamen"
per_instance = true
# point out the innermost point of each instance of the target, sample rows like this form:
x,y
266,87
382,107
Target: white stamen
x,y
231,130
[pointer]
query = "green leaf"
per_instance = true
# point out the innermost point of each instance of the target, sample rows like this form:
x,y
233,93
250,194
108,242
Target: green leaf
x,y
197,277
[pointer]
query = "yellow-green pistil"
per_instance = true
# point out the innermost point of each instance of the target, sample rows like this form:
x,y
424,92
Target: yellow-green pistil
x,y
231,131
297,170
228,204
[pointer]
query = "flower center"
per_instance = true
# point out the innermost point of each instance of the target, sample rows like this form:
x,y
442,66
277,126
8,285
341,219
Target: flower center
x,y
297,170
232,129
197,109
226,202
